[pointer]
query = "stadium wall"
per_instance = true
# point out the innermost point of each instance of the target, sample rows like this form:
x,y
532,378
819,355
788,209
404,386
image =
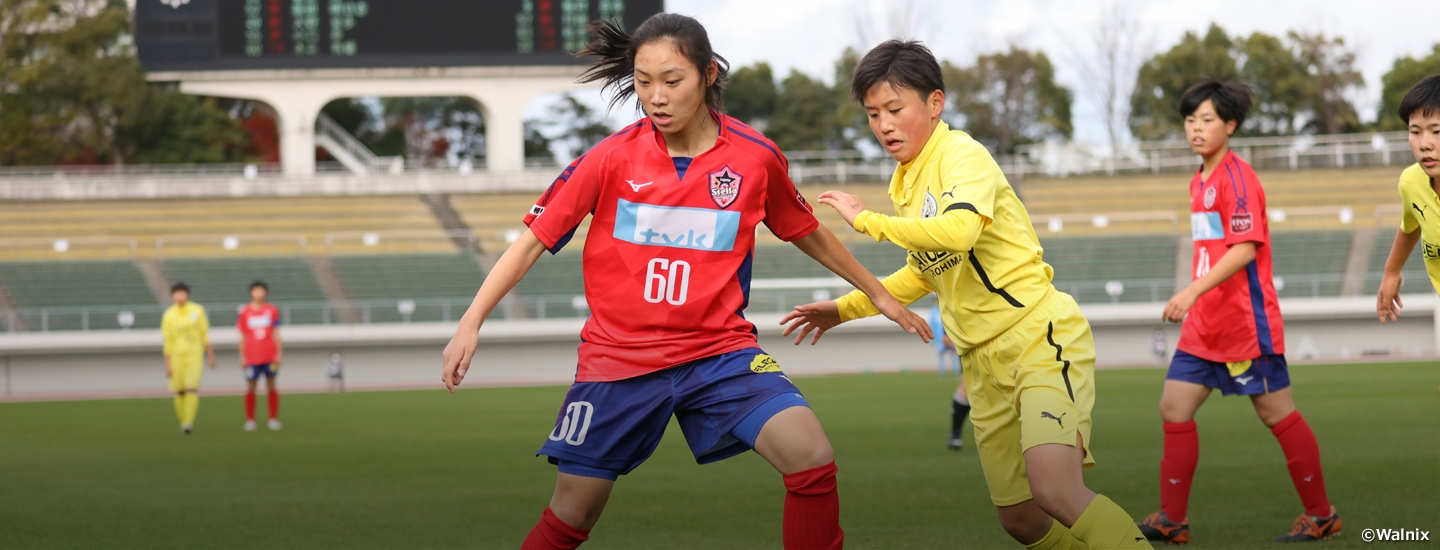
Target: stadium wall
x,y
110,364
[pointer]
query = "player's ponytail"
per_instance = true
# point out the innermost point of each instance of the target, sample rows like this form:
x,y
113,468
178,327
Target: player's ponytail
x,y
614,53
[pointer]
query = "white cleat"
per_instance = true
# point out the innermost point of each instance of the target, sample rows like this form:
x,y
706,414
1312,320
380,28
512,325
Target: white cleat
x,y
249,425
274,424
186,429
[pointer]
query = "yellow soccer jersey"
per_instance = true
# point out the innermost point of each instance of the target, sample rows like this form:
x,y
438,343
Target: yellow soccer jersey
x,y
1418,200
186,330
969,238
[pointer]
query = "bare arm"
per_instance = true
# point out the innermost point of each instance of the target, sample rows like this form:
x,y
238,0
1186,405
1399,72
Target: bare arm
x,y
822,245
517,260
1387,301
1235,259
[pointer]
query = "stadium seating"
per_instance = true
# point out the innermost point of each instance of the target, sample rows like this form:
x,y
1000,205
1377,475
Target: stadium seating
x,y
1416,279
223,284
263,226
1144,265
1311,263
71,286
425,279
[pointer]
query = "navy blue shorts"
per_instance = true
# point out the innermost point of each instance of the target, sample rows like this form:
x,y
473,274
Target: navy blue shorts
x,y
607,429
253,372
1267,374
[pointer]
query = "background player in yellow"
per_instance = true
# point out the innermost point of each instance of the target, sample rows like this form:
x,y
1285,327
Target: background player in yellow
x,y
1420,109
187,342
1028,354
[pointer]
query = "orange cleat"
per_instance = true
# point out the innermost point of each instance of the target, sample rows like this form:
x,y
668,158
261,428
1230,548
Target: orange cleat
x,y
1158,527
1308,528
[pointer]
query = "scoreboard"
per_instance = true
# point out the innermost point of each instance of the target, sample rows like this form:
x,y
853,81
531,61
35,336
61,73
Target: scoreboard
x,y
203,35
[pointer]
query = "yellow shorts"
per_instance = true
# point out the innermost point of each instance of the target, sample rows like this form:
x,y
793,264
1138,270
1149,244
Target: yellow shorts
x,y
1031,385
185,371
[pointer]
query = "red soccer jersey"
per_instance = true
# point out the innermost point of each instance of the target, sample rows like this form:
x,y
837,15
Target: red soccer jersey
x,y
667,260
257,333
1240,319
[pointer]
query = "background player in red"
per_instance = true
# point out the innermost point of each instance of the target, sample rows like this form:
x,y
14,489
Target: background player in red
x,y
1233,337
260,351
675,200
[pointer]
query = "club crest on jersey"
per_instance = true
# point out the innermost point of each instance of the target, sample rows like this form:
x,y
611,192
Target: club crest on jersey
x,y
725,186
801,198
1241,223
930,208
1210,198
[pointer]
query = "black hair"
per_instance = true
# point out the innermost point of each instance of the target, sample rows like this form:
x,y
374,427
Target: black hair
x,y
614,53
259,284
1230,98
179,286
1424,97
900,63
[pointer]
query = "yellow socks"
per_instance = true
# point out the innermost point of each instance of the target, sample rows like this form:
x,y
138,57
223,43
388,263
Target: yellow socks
x,y
1105,525
1059,538
192,406
180,408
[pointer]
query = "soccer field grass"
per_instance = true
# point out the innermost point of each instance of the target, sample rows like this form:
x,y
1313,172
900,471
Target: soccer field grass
x,y
427,469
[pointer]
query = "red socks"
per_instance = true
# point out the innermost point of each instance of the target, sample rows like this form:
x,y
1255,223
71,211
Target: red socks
x,y
553,534
1177,469
812,510
273,401
1302,456
250,405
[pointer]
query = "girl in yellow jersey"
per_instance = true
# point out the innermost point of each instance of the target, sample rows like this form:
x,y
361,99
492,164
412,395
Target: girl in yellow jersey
x,y
1028,354
187,336
1420,109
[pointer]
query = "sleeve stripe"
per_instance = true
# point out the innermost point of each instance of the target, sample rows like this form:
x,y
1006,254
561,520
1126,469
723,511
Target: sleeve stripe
x,y
762,143
961,206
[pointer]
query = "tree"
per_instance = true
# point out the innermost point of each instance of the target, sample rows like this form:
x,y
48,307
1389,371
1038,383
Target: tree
x,y
72,91
427,131
1331,67
1403,74
809,116
1010,98
1154,105
1278,82
1117,48
751,95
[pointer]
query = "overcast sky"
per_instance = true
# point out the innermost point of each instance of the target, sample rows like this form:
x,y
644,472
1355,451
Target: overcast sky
x,y
808,35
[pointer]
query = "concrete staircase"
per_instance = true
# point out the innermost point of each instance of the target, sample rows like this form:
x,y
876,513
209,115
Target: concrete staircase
x,y
13,320
350,152
334,289
156,278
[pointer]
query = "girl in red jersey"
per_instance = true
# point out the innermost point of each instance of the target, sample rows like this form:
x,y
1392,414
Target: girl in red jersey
x,y
675,199
1233,336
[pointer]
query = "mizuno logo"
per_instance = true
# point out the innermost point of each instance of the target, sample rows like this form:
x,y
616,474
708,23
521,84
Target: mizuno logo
x,y
1174,481
1309,477
1057,420
1244,379
637,186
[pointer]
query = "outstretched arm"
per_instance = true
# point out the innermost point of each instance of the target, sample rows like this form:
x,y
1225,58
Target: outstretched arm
x,y
822,245
1387,301
513,265
905,285
953,230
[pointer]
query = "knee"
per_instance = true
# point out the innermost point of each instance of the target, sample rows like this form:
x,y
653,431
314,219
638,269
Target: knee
x,y
580,515
1025,523
814,456
1174,412
1273,417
